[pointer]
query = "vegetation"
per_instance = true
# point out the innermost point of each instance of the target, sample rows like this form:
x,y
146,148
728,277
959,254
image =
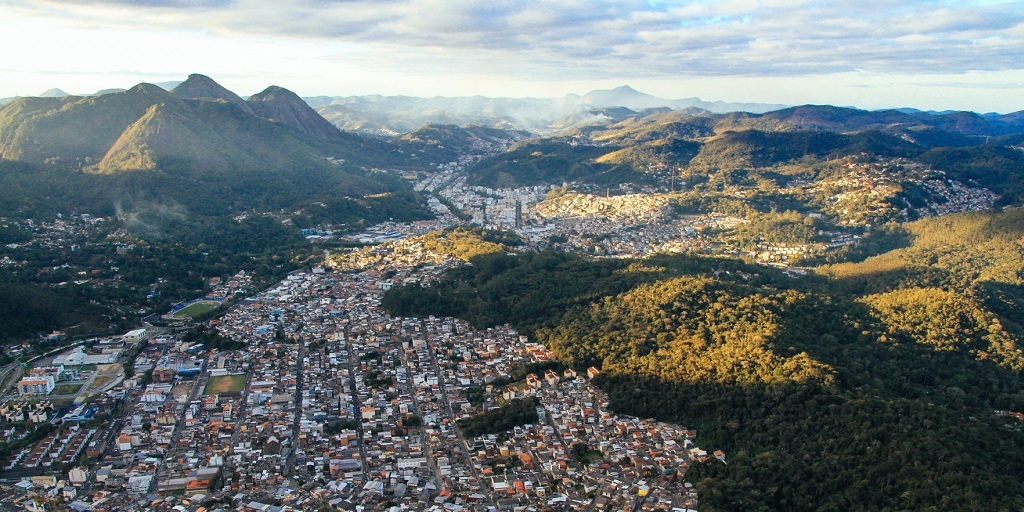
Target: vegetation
x,y
466,243
129,151
443,143
36,435
871,387
537,163
582,453
211,339
516,412
336,426
28,310
999,168
89,282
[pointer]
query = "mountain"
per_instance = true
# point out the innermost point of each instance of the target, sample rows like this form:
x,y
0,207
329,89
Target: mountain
x,y
845,119
547,161
624,96
53,93
211,155
582,119
448,143
101,92
169,85
645,145
395,115
200,87
283,106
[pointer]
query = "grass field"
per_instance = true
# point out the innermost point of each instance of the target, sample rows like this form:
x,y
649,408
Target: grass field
x,y
224,384
67,389
197,309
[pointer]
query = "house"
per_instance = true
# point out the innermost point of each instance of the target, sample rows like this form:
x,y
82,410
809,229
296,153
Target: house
x,y
720,455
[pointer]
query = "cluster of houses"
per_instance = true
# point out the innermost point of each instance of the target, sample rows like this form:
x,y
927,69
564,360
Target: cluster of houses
x,y
866,192
335,403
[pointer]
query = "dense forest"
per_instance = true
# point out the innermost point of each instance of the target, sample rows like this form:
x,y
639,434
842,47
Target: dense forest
x,y
515,412
869,386
466,243
49,291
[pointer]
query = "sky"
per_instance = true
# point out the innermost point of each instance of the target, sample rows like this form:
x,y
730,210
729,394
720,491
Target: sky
x,y
939,55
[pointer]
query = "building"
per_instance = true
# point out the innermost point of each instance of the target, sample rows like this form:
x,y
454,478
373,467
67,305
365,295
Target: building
x,y
36,385
78,475
134,336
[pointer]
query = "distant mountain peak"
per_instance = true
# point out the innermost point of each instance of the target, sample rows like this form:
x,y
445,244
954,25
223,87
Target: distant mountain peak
x,y
275,92
146,88
626,88
53,93
279,104
202,87
622,96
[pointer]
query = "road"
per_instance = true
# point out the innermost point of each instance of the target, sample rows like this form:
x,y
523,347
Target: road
x,y
451,414
410,389
356,407
199,383
14,369
239,416
289,463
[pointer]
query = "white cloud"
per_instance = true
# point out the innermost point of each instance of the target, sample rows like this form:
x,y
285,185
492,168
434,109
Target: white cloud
x,y
495,40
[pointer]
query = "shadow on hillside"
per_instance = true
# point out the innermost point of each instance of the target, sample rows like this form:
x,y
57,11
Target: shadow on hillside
x,y
889,279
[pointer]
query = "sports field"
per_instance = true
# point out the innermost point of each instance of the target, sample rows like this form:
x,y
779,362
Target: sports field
x,y
224,384
196,309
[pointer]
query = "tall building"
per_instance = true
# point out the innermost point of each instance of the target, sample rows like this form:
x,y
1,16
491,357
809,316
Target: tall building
x,y
36,385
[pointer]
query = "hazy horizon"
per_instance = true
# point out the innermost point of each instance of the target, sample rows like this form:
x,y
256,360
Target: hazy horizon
x,y
950,55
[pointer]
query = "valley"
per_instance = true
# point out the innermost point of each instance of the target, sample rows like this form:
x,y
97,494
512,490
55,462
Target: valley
x,y
630,306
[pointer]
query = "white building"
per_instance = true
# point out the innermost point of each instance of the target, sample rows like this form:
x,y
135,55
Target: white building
x,y
78,475
36,385
134,335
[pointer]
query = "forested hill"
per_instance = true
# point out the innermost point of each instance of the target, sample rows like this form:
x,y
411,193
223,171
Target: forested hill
x,y
199,147
872,386
627,149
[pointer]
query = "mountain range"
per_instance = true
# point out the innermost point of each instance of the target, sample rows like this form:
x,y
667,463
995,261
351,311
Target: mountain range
x,y
203,146
395,115
616,145
198,145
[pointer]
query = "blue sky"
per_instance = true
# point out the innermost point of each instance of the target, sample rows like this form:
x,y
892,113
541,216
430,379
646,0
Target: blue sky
x,y
955,54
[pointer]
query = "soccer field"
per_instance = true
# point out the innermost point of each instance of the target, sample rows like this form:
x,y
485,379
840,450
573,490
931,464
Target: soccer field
x,y
224,384
196,309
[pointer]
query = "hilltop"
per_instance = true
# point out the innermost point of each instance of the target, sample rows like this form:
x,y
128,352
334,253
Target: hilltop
x,y
625,149
874,386
199,146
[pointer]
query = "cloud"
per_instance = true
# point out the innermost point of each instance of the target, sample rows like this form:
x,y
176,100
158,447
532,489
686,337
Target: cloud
x,y
595,38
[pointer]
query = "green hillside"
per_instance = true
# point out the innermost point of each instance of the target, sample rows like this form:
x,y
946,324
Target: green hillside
x,y
871,387
113,152
969,147
443,143
540,162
